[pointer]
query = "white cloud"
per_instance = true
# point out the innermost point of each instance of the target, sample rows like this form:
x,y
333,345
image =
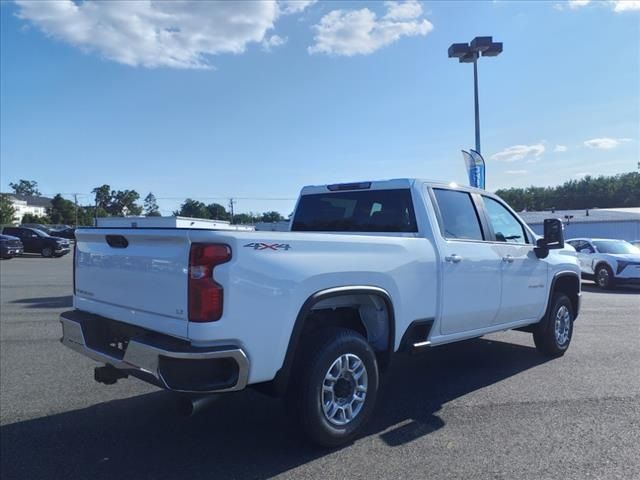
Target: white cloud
x,y
294,6
273,41
517,172
155,33
560,148
605,143
626,5
518,152
578,3
361,32
616,5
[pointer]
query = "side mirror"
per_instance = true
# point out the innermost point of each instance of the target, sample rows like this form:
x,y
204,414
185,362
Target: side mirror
x,y
553,233
553,237
585,250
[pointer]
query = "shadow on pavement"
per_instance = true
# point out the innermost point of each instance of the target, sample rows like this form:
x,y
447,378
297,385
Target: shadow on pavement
x,y
46,302
618,289
243,435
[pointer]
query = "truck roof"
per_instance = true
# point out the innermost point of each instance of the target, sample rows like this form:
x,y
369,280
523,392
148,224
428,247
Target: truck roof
x,y
378,185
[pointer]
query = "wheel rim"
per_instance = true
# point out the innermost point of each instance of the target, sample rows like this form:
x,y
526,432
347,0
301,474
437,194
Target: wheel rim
x,y
563,325
603,277
46,252
344,389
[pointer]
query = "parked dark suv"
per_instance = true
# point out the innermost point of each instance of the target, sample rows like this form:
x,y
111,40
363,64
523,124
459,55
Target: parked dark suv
x,y
10,246
37,241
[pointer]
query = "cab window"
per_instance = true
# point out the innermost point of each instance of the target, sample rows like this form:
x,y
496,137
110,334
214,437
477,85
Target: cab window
x,y
458,216
506,228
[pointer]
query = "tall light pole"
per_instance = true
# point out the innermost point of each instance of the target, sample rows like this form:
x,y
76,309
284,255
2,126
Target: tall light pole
x,y
469,53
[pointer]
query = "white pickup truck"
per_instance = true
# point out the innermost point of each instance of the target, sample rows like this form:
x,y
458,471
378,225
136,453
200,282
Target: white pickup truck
x,y
316,314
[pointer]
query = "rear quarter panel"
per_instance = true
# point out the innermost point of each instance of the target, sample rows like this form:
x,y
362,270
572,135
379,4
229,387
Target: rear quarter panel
x,y
264,289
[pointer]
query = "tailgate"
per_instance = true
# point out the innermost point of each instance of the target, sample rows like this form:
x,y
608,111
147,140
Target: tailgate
x,y
137,276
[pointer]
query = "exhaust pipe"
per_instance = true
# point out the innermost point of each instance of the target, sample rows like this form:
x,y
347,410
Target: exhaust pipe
x,y
189,406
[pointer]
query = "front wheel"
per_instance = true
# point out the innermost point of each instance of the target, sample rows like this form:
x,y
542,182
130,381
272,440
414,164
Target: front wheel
x,y
553,335
604,277
334,387
47,252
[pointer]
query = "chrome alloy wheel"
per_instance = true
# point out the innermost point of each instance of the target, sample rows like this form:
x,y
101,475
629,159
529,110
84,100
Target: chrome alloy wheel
x,y
563,325
344,389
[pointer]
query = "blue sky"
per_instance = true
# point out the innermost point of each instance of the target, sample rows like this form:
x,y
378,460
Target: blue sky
x,y
160,97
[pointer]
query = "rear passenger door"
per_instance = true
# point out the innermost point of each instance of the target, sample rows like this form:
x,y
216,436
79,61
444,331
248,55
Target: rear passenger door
x,y
471,276
524,275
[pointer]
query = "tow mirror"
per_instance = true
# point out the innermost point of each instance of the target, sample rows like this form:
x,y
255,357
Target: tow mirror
x,y
553,233
553,237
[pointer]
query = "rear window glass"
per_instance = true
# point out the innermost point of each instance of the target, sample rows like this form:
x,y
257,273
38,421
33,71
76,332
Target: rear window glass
x,y
359,211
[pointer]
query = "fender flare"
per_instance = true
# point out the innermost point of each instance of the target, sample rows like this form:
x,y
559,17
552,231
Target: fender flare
x,y
281,378
552,289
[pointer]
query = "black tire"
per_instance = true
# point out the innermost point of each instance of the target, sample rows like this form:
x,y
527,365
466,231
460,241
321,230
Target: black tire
x,y
47,252
305,397
604,276
553,335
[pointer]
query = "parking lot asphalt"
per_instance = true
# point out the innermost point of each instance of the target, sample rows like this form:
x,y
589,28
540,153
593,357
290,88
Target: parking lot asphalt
x,y
486,408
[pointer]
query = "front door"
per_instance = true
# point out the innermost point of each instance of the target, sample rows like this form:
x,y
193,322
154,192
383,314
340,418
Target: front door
x,y
524,275
471,286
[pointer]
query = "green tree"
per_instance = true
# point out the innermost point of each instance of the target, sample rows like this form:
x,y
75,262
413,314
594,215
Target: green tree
x,y
603,192
25,187
272,216
245,218
193,208
151,208
62,211
102,196
7,211
32,218
116,202
86,215
218,212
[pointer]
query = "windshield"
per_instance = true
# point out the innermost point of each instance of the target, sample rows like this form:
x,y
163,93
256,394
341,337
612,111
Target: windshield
x,y
615,247
40,233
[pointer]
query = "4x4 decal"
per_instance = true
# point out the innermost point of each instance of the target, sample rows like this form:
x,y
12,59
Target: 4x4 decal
x,y
268,246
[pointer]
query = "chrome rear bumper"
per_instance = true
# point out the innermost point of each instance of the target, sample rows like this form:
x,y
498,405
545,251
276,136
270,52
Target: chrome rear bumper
x,y
152,357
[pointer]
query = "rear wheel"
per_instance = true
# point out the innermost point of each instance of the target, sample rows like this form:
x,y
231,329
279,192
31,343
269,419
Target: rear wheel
x,y
604,276
47,252
553,336
334,387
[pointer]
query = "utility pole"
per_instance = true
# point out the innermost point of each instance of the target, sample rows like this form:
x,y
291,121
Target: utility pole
x,y
75,199
231,202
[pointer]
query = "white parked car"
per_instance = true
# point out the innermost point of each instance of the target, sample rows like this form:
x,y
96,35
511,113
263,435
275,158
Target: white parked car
x,y
608,262
368,270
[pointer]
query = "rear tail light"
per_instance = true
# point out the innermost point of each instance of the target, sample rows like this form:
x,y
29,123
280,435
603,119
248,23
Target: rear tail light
x,y
205,294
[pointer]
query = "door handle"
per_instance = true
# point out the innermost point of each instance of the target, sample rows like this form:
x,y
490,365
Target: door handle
x,y
453,258
507,258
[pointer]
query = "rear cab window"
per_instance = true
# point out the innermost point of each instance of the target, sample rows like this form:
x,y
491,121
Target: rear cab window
x,y
378,210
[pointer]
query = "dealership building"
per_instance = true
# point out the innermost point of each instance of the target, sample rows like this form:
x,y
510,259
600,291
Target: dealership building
x,y
620,223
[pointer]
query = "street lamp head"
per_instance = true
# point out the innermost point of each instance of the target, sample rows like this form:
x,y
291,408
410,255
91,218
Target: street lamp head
x,y
469,57
494,50
480,44
458,50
